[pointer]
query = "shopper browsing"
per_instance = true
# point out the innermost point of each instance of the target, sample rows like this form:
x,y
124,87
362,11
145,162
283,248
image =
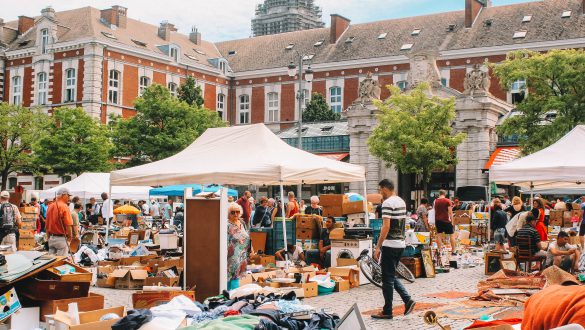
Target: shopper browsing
x,y
59,224
444,220
9,221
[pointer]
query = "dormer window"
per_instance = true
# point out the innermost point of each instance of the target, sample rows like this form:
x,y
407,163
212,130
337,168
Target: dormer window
x,y
222,67
174,53
44,40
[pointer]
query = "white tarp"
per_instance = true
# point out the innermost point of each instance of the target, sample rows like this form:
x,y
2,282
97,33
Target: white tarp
x,y
89,185
560,165
240,155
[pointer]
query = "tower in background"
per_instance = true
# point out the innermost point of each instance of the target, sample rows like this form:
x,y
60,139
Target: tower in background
x,y
279,16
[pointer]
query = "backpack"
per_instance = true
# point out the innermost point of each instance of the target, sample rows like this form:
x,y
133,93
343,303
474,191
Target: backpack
x,y
7,217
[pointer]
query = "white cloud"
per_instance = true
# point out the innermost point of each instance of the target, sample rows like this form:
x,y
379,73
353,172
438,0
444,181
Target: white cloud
x,y
219,20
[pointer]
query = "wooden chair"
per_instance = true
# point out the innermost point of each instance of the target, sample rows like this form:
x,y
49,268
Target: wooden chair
x,y
525,255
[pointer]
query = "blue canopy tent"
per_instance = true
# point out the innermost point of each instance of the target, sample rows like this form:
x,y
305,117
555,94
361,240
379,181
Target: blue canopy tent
x,y
178,190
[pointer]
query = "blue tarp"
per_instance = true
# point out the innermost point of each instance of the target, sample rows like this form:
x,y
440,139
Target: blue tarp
x,y
178,190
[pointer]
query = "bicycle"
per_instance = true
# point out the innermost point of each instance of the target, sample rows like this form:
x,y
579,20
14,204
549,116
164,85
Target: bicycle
x,y
373,271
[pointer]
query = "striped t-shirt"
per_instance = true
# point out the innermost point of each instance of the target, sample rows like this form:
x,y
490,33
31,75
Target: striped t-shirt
x,y
394,209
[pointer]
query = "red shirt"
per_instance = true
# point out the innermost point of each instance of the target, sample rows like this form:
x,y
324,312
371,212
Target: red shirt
x,y
442,205
246,209
295,209
58,218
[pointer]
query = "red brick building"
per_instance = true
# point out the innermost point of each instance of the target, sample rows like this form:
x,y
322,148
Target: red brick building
x,y
102,59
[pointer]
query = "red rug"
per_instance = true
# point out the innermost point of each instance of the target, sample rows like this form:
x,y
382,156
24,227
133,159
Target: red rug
x,y
450,295
515,312
399,310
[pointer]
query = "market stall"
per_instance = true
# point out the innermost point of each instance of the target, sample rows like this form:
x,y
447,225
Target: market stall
x,y
89,185
179,190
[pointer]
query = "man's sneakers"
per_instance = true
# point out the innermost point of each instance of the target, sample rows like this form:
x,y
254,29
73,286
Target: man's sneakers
x,y
382,316
409,307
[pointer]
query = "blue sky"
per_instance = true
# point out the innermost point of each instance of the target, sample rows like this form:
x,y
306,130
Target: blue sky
x,y
220,20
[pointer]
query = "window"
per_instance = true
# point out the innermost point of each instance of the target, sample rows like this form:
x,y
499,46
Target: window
x,y
244,109
114,87
232,53
109,35
519,34
272,115
12,182
65,179
444,82
42,88
139,43
335,99
191,57
44,40
349,40
415,32
16,90
289,47
319,43
566,14
526,18
402,85
382,35
308,57
70,85
220,105
222,67
39,183
174,53
143,84
406,47
172,88
306,98
518,91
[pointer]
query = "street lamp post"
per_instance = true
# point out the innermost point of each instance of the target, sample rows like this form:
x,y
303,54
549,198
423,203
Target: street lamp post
x,y
292,71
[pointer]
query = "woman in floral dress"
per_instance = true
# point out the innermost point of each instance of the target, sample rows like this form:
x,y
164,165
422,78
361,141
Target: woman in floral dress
x,y
238,246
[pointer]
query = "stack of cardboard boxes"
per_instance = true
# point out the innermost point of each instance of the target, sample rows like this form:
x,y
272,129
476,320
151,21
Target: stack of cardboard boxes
x,y
339,205
308,231
26,240
133,272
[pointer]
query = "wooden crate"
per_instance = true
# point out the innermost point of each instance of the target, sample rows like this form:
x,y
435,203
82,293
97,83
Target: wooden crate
x,y
80,275
414,265
84,304
26,244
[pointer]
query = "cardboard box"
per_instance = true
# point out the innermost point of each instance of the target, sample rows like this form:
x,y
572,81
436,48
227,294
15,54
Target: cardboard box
x,y
332,199
567,216
310,289
89,320
462,217
149,299
349,273
332,211
414,265
352,207
28,209
80,275
28,225
374,198
556,218
26,233
129,278
308,222
26,244
263,260
161,281
302,233
342,285
84,304
106,282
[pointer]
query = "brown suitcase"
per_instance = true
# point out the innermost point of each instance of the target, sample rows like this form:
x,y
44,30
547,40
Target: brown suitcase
x,y
39,289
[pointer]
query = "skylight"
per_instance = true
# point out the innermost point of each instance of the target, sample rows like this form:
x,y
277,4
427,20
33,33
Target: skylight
x,y
406,47
349,40
566,13
527,19
326,128
451,27
289,47
109,35
198,51
382,35
415,32
308,57
139,43
232,53
191,57
319,43
23,43
519,34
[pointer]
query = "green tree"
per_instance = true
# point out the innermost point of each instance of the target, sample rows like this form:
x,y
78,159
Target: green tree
x,y
75,143
414,132
318,110
191,93
163,126
19,128
555,101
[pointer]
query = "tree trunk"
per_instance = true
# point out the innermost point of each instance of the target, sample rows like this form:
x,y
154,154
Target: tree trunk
x,y
5,179
425,184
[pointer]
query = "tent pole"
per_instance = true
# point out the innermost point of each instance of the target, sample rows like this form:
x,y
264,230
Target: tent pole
x,y
489,201
367,219
110,206
283,223
531,194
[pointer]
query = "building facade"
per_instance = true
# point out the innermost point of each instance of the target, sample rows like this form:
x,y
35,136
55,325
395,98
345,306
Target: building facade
x,y
101,60
279,16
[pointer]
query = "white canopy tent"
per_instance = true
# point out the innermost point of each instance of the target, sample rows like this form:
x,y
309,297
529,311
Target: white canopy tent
x,y
241,155
558,166
89,185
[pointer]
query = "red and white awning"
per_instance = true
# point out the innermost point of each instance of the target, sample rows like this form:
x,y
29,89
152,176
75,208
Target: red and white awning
x,y
501,156
335,156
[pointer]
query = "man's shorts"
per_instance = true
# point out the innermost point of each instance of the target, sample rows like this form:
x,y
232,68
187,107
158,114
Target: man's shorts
x,y
500,235
582,229
444,227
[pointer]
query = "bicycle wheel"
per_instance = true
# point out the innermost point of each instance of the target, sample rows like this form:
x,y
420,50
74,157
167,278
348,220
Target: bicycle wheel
x,y
404,272
372,271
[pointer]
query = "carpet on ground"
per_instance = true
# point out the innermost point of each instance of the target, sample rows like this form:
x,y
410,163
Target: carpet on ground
x,y
466,312
450,295
399,310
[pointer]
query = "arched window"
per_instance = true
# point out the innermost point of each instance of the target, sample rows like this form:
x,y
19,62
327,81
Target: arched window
x,y
143,84
335,99
220,105
44,40
172,88
70,85
272,109
42,88
17,90
114,87
244,109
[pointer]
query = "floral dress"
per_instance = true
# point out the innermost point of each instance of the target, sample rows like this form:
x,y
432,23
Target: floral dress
x,y
238,243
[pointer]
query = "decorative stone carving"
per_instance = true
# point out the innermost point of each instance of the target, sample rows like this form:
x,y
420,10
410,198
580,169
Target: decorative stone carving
x,y
369,90
423,68
477,82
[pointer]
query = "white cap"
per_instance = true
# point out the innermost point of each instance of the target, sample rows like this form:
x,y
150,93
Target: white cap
x,y
5,194
63,191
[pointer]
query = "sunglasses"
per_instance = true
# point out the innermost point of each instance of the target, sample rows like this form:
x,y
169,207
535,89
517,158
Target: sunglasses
x,y
234,212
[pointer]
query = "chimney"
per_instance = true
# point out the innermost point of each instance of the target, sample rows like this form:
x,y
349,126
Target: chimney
x,y
338,25
165,29
25,23
117,15
472,9
48,12
195,36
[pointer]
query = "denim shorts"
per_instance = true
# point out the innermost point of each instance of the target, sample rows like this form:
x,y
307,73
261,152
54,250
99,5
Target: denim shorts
x,y
500,235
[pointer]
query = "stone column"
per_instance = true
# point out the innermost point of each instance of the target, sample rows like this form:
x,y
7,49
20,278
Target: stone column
x,y
92,81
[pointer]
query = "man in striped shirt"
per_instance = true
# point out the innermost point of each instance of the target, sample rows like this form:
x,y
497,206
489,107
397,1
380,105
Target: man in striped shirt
x,y
391,244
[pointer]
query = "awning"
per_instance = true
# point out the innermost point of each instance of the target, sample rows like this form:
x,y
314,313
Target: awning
x,y
335,156
502,156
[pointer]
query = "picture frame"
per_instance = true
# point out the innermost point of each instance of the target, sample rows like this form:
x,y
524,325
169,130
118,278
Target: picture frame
x,y
147,234
133,238
492,263
508,264
428,264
